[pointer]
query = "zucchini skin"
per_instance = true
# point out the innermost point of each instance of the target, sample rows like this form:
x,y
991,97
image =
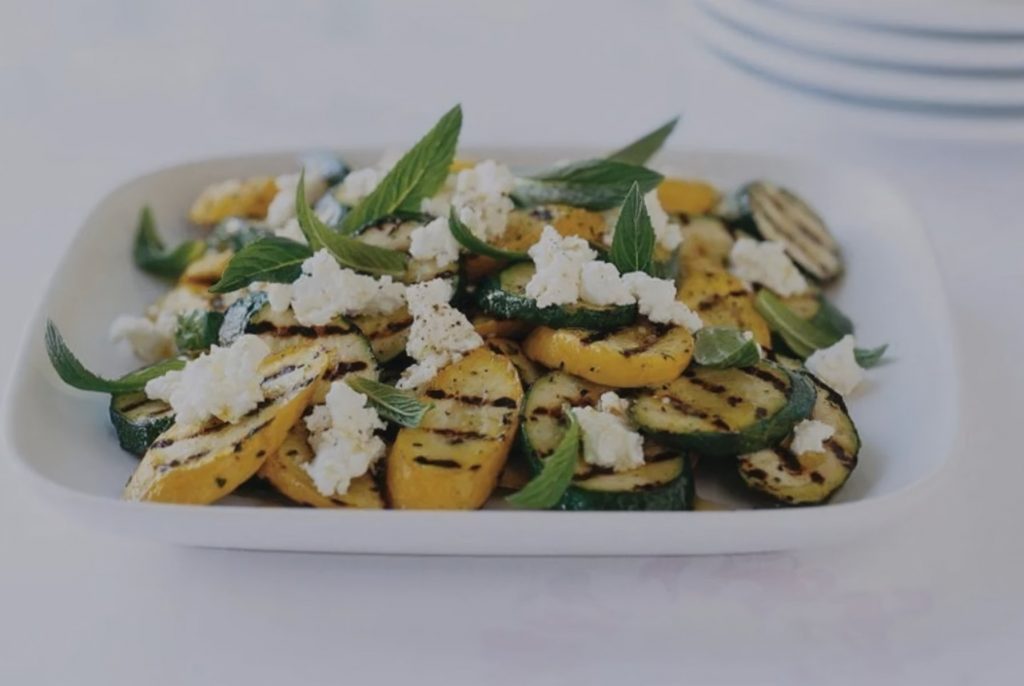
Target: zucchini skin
x,y
135,435
762,434
495,300
678,494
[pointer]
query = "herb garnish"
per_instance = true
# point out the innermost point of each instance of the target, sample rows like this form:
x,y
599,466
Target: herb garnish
x,y
546,489
151,256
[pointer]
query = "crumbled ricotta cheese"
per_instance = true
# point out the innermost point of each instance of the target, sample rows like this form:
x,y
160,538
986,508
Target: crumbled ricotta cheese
x,y
837,365
328,213
439,335
434,241
656,299
809,436
480,196
667,233
152,337
601,284
358,184
222,383
559,261
609,440
326,290
766,263
282,207
342,436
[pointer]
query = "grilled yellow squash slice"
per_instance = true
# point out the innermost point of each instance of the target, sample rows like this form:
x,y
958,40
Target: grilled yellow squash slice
x,y
721,299
248,199
644,354
284,471
453,458
525,227
686,196
706,244
199,465
529,371
207,270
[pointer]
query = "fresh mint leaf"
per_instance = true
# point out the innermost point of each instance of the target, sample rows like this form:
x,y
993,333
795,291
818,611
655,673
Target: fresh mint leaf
x,y
633,242
151,256
349,252
274,259
400,407
470,242
547,488
870,357
830,318
418,175
722,347
805,336
74,373
591,184
197,330
236,319
234,234
643,149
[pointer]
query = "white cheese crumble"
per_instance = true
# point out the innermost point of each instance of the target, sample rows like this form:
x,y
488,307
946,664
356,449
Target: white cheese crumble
x,y
766,263
809,436
600,284
609,439
291,230
480,196
656,299
282,207
434,241
559,261
152,337
837,366
342,436
567,272
667,233
439,335
360,183
326,290
222,383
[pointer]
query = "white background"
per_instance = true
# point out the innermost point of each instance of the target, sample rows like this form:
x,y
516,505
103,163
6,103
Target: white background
x,y
92,93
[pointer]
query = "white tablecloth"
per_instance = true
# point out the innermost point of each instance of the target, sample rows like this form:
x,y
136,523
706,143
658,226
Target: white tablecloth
x,y
93,93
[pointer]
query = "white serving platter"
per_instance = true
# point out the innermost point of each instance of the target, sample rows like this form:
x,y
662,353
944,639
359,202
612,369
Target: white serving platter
x,y
906,412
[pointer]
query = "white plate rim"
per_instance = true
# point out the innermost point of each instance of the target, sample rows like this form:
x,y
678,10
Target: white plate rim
x,y
583,532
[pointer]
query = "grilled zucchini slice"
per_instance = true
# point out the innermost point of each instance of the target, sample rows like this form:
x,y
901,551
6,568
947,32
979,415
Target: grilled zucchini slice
x,y
725,412
495,327
284,471
721,299
387,333
199,465
349,351
529,371
706,244
453,458
505,296
664,482
138,420
777,214
395,233
644,354
810,477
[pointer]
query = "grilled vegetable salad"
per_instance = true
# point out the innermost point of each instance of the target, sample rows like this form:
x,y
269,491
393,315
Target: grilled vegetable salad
x,y
434,332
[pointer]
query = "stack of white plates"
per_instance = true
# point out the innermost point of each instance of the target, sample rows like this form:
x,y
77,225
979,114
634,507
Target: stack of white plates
x,y
958,62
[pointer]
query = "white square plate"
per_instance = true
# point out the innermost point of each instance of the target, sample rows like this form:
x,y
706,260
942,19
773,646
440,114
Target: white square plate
x,y
906,413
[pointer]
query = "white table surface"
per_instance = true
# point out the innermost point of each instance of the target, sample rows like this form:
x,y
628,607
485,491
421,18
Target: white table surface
x,y
93,93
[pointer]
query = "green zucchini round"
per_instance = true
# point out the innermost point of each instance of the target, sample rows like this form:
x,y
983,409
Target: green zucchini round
x,y
664,482
807,479
505,296
138,421
725,412
777,214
